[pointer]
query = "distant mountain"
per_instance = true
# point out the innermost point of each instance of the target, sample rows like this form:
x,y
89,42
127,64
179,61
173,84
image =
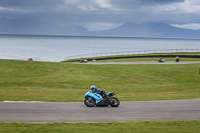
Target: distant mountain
x,y
155,30
158,30
24,26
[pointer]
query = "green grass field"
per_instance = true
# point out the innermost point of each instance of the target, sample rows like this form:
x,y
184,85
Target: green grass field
x,y
67,82
127,127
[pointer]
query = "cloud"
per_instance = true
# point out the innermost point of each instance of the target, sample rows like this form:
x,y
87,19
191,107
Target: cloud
x,y
77,6
30,3
102,13
89,5
189,6
104,4
134,3
20,10
193,26
71,2
157,2
28,6
85,7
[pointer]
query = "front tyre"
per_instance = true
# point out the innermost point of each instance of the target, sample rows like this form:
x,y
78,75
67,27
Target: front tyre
x,y
114,102
89,101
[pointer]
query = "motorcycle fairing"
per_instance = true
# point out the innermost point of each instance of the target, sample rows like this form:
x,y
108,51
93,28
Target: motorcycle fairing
x,y
111,94
96,96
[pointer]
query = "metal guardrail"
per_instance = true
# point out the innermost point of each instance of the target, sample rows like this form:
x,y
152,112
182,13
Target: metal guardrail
x,y
131,53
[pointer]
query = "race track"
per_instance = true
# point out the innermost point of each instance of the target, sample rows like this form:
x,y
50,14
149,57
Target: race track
x,y
78,112
143,62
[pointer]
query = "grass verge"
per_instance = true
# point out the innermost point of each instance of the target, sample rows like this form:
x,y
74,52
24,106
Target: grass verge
x,y
126,127
66,82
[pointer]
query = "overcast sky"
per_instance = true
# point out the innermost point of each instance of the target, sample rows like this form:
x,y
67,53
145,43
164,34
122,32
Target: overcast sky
x,y
103,14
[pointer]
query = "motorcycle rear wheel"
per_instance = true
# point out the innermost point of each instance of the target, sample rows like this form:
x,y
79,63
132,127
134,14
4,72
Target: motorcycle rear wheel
x,y
114,102
89,101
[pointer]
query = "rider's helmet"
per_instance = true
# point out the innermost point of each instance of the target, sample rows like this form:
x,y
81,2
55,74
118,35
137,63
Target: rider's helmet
x,y
93,88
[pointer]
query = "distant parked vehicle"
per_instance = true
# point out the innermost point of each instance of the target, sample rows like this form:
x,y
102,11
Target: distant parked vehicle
x,y
161,60
83,60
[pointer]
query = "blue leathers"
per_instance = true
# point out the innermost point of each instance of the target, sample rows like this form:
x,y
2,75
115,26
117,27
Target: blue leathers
x,y
94,89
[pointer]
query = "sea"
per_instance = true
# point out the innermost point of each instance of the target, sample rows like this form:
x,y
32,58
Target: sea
x,y
59,48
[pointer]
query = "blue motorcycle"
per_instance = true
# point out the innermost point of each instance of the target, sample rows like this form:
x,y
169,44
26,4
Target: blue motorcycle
x,y
92,99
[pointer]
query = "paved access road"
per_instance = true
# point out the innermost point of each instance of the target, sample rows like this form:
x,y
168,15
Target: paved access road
x,y
78,112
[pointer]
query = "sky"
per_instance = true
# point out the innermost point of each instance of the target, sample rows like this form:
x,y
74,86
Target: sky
x,y
103,14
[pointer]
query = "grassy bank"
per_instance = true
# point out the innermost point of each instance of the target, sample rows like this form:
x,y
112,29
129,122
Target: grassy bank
x,y
66,82
128,127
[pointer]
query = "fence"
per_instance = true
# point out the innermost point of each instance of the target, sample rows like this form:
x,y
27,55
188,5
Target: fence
x,y
131,53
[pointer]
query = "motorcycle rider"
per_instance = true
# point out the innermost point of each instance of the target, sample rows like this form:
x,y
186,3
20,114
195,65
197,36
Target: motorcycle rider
x,y
95,89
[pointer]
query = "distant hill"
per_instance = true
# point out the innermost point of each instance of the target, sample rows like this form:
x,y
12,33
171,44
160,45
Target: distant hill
x,y
150,30
155,30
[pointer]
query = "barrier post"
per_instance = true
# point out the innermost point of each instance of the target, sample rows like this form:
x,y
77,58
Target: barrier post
x,y
199,70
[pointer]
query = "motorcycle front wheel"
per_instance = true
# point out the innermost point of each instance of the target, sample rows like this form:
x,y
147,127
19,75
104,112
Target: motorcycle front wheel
x,y
89,101
114,102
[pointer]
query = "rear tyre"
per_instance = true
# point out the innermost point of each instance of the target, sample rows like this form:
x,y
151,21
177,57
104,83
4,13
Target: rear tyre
x,y
89,101
114,102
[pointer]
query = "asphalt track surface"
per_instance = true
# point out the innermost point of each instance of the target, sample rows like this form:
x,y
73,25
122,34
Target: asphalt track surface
x,y
143,62
77,112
